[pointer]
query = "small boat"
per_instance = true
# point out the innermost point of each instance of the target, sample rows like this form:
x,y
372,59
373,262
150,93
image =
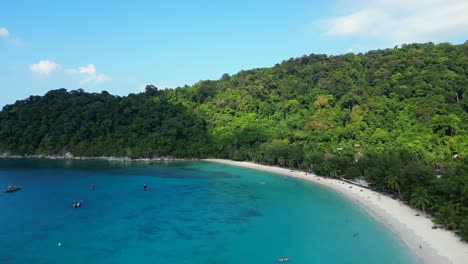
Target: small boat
x,y
13,188
78,204
283,259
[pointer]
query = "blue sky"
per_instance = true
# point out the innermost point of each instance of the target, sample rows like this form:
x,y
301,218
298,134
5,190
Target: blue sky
x,y
119,46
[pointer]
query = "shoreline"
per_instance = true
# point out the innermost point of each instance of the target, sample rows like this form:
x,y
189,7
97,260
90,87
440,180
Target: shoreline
x,y
69,156
438,246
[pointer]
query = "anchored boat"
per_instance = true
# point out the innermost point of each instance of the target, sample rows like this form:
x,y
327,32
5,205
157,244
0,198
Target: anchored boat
x,y
13,188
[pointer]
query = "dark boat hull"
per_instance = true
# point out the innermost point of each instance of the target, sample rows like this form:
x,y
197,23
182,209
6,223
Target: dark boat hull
x,y
12,190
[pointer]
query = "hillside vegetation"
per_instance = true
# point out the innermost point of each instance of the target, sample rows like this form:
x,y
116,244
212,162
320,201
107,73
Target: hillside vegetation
x,y
397,117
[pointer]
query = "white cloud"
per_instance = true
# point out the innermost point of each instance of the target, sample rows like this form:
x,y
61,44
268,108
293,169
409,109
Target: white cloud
x,y
88,74
4,33
96,78
402,21
44,68
91,70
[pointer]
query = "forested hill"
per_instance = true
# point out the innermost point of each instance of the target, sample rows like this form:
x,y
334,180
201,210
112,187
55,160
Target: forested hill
x,y
397,116
410,97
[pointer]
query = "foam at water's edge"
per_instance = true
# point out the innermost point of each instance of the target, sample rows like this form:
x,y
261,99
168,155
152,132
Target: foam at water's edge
x,y
430,246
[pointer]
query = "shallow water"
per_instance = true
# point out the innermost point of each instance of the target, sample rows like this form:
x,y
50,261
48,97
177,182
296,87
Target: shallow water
x,y
194,212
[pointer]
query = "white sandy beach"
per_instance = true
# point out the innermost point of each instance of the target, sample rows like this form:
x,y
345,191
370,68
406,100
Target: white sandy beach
x,y
438,246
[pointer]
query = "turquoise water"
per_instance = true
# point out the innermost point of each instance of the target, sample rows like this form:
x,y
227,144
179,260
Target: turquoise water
x,y
194,212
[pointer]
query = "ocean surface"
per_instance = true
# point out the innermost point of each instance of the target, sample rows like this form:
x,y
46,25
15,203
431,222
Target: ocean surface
x,y
193,212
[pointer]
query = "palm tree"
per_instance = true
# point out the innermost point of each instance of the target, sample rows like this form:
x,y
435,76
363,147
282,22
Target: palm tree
x,y
447,214
393,182
420,198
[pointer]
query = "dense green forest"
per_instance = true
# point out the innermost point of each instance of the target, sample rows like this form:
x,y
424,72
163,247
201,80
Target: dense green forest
x,y
397,117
